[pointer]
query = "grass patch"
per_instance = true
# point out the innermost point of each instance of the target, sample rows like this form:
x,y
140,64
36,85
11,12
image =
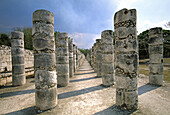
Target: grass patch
x,y
144,69
166,60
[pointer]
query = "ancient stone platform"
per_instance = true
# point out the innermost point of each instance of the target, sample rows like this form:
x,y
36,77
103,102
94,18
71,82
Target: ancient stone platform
x,y
85,96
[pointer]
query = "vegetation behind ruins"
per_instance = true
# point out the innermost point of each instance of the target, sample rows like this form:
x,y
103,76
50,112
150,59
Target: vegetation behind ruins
x,y
142,37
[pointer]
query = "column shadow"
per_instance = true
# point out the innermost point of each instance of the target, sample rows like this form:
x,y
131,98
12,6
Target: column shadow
x,y
113,110
84,79
84,73
146,88
80,92
26,111
8,94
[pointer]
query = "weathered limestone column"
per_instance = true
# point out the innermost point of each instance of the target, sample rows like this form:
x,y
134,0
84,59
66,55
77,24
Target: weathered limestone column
x,y
95,65
44,60
17,52
98,57
156,56
62,59
107,58
71,66
126,59
74,57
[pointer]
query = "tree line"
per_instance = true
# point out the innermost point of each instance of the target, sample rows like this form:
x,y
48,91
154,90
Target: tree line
x,y
142,38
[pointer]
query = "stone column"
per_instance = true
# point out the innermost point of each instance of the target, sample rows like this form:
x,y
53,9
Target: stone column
x,y
74,57
62,59
71,66
95,65
17,52
107,58
126,59
156,56
44,60
98,57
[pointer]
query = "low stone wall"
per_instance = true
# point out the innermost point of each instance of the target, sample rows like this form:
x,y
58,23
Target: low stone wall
x,y
6,64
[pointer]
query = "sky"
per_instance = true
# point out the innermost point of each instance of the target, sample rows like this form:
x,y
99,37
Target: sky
x,y
83,20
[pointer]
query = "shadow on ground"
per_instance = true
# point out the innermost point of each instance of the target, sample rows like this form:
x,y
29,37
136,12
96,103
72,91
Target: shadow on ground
x,y
26,111
84,79
84,73
146,88
8,94
80,92
84,70
113,110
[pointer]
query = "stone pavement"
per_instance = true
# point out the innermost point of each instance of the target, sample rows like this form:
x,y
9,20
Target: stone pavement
x,y
83,96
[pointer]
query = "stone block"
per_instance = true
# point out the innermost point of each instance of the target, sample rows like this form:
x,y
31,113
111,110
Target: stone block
x,y
155,40
156,79
62,68
18,79
107,79
43,16
45,60
42,28
124,15
124,82
156,69
107,58
107,36
156,58
107,49
62,59
60,51
46,98
107,68
155,49
45,78
43,44
18,59
131,99
119,97
17,51
127,63
17,43
18,69
62,79
126,45
124,32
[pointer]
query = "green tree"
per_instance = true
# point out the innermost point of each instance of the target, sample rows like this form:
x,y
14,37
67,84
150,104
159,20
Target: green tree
x,y
85,51
4,40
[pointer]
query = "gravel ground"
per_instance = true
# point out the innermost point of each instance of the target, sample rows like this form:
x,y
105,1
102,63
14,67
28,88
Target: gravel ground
x,y
85,96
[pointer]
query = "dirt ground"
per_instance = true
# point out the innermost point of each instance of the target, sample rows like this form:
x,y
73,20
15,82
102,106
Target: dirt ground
x,y
86,96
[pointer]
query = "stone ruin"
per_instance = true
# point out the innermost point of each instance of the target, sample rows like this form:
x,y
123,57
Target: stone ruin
x,y
55,63
18,62
44,60
62,59
107,67
156,56
126,59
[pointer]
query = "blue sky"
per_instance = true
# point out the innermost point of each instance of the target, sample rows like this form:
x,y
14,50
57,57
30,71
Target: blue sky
x,y
84,20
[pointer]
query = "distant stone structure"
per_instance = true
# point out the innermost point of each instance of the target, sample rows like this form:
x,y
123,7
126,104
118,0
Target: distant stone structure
x,y
17,52
156,56
107,58
126,59
6,64
44,60
62,59
98,57
71,66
